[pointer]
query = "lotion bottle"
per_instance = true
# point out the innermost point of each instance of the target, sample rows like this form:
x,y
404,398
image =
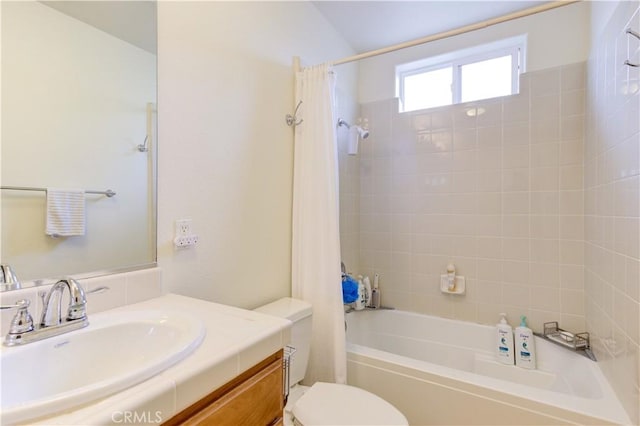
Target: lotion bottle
x,y
525,345
504,347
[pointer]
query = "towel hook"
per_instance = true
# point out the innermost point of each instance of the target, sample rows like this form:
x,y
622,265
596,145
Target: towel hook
x,y
142,147
636,35
292,120
341,122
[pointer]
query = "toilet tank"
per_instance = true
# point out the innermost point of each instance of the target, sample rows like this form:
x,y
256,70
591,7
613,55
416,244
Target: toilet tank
x,y
299,313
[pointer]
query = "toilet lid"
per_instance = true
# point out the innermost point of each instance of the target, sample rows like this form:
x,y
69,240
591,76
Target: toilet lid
x,y
333,404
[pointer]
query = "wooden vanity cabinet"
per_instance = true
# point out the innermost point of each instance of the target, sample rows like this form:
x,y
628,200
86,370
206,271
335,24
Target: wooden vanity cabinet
x,y
253,398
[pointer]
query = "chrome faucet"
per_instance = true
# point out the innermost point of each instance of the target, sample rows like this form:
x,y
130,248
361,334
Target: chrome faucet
x,y
77,309
22,329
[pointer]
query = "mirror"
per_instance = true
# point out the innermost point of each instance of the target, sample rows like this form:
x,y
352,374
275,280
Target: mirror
x,y
78,113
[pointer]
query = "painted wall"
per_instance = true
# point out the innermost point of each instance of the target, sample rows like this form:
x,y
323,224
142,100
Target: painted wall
x,y
73,100
226,154
612,204
555,38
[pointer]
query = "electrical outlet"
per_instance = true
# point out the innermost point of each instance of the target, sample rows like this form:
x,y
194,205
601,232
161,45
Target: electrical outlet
x,y
183,227
184,236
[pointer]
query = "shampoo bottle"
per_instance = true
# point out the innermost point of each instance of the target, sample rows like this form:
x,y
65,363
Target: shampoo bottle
x,y
375,292
504,348
367,291
361,296
525,345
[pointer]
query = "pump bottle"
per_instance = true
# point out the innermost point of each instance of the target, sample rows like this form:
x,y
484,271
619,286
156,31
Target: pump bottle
x,y
525,345
504,341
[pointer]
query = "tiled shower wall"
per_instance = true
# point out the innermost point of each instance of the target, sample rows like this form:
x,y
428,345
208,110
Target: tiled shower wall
x,y
612,195
349,172
498,193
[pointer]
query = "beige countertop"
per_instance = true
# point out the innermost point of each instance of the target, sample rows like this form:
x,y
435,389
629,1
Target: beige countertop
x,y
236,339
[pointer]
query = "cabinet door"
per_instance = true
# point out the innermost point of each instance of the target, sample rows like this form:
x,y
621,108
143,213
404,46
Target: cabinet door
x,y
255,401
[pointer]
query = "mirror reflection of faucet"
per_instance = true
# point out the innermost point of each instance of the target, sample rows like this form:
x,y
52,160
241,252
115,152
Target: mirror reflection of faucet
x,y
52,323
451,283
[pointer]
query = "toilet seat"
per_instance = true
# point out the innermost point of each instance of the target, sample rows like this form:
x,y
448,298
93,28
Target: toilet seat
x,y
334,404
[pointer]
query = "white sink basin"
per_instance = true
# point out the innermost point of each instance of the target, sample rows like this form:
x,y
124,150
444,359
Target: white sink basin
x,y
114,352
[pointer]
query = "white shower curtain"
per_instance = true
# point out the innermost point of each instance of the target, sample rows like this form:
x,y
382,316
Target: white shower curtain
x,y
316,239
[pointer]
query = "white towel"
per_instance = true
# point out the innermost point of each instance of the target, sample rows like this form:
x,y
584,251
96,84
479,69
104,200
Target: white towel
x,y
65,212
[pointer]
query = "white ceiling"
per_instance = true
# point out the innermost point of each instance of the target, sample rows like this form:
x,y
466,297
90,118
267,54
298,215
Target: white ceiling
x,y
370,25
365,24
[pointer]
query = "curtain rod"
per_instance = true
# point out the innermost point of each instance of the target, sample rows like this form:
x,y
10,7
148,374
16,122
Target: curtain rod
x,y
468,28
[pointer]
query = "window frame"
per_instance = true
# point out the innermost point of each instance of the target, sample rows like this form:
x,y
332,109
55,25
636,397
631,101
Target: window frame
x,y
514,47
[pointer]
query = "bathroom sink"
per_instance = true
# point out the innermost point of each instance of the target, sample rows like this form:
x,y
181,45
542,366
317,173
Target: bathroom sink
x,y
116,351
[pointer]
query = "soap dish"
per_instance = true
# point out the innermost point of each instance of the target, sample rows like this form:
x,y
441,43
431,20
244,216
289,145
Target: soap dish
x,y
458,288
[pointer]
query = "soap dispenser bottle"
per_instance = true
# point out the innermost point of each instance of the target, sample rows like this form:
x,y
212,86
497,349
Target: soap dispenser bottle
x,y
504,347
525,345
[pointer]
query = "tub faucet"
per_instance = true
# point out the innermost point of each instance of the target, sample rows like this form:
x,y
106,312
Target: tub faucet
x,y
77,309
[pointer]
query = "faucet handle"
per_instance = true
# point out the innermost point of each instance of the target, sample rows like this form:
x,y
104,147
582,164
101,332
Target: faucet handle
x,y
8,279
97,290
22,322
18,304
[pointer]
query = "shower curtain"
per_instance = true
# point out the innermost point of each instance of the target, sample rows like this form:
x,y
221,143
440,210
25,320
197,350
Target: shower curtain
x,y
316,275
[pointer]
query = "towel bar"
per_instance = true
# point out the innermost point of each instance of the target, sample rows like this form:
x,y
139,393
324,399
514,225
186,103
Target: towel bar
x,y
109,193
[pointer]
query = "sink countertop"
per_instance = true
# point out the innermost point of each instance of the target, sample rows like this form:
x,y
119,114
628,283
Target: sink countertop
x,y
236,339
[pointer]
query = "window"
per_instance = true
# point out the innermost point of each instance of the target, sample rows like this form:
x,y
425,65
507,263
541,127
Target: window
x,y
482,72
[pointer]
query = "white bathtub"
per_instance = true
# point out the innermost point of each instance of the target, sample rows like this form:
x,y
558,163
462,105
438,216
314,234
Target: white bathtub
x,y
440,371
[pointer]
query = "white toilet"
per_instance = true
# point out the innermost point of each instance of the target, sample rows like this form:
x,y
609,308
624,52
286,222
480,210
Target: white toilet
x,y
324,403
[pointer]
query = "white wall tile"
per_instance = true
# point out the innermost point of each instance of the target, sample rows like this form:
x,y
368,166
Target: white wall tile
x,y
501,196
573,77
544,108
572,103
464,139
545,130
545,155
516,133
572,127
544,274
515,156
545,82
545,226
515,202
546,202
516,109
545,179
572,227
571,202
515,179
612,232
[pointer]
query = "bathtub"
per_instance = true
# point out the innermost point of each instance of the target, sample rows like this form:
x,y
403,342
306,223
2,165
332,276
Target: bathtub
x,y
439,371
